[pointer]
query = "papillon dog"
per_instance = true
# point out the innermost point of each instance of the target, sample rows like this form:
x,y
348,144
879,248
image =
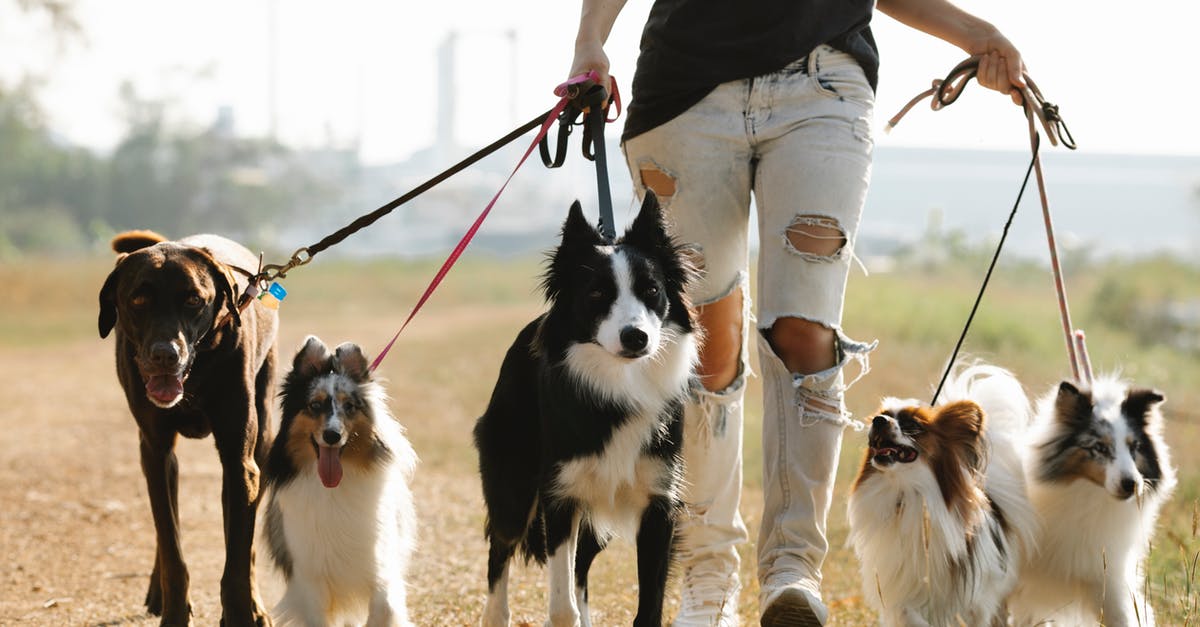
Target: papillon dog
x,y
939,515
340,520
1099,471
581,440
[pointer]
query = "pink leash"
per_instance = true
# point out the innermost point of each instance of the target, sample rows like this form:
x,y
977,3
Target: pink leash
x,y
565,91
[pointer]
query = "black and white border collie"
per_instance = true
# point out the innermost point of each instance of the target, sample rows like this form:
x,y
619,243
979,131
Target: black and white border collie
x,y
1099,471
340,519
581,440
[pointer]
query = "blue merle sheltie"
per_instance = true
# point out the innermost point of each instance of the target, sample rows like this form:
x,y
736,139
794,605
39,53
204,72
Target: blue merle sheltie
x,y
1099,471
581,440
340,519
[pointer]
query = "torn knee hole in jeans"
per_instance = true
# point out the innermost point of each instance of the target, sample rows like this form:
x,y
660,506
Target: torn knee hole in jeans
x,y
815,237
657,180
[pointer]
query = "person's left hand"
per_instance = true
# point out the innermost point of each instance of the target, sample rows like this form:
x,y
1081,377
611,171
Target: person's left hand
x,y
1000,65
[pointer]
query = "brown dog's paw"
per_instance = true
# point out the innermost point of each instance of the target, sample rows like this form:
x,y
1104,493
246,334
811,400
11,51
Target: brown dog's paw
x,y
258,618
154,596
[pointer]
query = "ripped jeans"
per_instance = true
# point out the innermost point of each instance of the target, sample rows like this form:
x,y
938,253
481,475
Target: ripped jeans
x,y
800,140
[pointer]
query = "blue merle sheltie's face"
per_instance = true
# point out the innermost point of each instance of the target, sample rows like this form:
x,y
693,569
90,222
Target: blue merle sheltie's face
x,y
1107,435
626,296
328,400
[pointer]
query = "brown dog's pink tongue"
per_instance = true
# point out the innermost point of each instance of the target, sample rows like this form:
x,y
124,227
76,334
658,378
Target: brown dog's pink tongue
x,y
164,387
329,466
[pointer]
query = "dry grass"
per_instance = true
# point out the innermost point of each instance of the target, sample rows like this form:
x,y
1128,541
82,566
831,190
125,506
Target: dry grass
x,y
75,524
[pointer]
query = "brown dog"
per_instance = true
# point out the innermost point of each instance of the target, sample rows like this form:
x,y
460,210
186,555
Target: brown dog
x,y
191,365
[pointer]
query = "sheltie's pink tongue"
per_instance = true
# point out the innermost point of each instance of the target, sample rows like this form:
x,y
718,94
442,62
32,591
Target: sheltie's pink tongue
x,y
164,388
329,465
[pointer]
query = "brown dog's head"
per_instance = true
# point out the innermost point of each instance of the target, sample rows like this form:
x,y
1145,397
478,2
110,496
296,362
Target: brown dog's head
x,y
167,300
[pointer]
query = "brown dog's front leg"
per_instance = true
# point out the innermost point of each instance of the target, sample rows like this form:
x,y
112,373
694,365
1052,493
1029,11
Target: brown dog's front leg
x,y
168,591
240,603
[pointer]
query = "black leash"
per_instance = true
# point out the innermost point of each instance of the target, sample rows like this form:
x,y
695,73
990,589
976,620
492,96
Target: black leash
x,y
304,255
589,103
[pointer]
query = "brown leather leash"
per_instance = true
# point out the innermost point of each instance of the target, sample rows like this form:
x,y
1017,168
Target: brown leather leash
x,y
946,91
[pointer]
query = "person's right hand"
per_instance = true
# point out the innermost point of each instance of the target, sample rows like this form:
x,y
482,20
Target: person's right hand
x,y
589,55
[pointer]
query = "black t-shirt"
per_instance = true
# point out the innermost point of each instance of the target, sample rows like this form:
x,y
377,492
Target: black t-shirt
x,y
691,46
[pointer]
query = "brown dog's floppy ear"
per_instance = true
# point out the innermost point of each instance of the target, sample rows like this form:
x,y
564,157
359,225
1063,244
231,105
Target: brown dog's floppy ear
x,y
226,284
312,358
350,361
108,299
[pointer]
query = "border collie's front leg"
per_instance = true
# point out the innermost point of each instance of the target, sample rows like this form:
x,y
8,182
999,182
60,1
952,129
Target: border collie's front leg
x,y
589,547
562,534
655,546
495,613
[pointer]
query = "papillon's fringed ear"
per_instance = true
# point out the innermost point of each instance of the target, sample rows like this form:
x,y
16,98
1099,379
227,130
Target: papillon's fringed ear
x,y
312,358
349,360
963,423
1071,405
1139,405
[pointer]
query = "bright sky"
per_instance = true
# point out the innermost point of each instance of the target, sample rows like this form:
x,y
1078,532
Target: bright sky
x,y
1124,77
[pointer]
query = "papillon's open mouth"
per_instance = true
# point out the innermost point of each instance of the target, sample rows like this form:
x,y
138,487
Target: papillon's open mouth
x,y
888,455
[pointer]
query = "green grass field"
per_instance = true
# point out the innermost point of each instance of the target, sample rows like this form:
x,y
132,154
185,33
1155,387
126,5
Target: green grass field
x,y
440,376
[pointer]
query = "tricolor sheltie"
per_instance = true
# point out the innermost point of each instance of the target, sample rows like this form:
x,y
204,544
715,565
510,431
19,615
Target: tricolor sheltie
x,y
340,520
1098,473
940,516
581,439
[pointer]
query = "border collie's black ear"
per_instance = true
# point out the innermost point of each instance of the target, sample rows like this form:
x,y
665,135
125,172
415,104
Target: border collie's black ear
x,y
1072,406
576,229
349,360
1139,404
312,358
108,299
649,229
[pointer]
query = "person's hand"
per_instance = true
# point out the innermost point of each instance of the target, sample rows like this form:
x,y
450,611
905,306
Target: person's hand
x,y
1000,65
589,55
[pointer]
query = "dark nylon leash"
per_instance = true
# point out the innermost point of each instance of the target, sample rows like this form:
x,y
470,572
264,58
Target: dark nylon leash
x,y
591,102
945,92
304,255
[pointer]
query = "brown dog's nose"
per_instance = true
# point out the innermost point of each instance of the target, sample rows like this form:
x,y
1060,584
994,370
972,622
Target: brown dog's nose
x,y
164,355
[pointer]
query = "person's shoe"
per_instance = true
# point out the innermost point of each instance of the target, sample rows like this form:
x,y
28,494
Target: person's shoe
x,y
709,596
795,605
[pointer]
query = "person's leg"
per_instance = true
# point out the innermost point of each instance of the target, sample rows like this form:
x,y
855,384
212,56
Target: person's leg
x,y
812,123
699,166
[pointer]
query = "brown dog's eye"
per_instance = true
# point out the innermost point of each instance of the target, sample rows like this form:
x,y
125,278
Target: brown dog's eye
x,y
139,301
314,407
193,301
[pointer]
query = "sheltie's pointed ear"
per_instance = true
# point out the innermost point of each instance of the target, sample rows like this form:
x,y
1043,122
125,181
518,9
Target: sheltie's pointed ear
x,y
1139,405
350,361
1072,406
312,358
649,229
577,230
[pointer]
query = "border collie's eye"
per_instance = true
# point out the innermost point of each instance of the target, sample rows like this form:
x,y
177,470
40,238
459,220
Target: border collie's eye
x,y
595,294
652,291
193,302
1099,449
315,407
348,407
1135,446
